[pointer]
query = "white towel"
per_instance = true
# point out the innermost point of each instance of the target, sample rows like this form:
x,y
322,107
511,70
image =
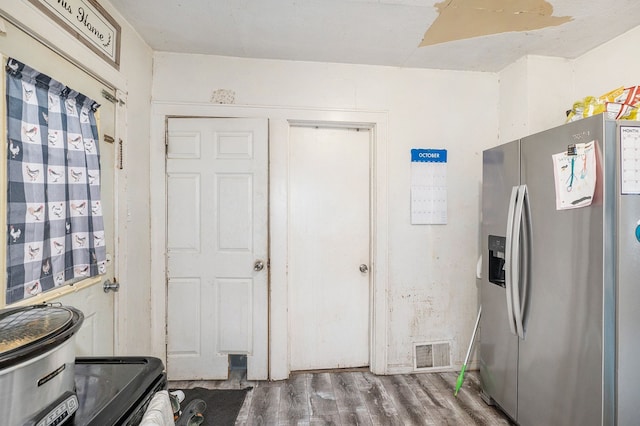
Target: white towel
x,y
159,411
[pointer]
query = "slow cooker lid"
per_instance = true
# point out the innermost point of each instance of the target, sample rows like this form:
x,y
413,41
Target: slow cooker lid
x,y
27,326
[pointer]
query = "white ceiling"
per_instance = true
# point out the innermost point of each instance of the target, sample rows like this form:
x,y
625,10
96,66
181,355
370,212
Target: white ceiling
x,y
376,32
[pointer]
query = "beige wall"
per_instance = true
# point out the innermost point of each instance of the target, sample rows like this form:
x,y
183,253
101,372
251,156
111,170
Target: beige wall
x,y
431,283
536,91
607,67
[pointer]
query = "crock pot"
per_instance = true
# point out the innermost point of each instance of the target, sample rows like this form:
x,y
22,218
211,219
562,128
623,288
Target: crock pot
x,y
37,359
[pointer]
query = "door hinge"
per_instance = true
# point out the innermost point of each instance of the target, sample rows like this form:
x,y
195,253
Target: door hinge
x,y
111,98
166,140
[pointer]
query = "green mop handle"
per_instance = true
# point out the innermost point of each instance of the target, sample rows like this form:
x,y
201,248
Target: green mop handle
x,y
466,359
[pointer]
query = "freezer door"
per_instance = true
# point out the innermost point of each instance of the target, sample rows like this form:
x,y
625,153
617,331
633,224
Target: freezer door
x,y
498,347
560,357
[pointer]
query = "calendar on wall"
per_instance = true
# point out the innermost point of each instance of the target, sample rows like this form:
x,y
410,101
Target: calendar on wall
x,y
428,186
630,159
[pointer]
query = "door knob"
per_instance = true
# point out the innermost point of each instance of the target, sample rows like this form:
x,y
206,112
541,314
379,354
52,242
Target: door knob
x,y
258,266
108,286
364,268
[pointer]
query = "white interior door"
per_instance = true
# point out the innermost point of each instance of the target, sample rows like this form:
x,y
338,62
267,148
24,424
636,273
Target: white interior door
x,y
329,234
217,193
96,336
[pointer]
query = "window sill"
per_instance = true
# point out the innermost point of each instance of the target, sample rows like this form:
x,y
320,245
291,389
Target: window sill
x,y
51,295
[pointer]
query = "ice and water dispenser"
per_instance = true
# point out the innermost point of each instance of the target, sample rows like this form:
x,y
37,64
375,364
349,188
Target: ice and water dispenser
x,y
496,259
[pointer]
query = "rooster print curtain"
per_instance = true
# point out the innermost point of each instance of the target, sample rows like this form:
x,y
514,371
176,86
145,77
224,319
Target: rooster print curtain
x,y
54,215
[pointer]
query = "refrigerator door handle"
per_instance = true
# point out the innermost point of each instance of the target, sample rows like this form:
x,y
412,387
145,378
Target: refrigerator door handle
x,y
520,264
527,257
508,261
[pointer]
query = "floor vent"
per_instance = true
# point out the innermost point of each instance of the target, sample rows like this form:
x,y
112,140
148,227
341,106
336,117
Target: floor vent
x,y
431,355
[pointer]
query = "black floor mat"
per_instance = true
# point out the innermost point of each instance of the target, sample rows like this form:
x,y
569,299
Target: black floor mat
x,y
223,405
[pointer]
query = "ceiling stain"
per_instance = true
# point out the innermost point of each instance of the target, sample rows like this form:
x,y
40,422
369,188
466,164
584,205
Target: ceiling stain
x,y
463,19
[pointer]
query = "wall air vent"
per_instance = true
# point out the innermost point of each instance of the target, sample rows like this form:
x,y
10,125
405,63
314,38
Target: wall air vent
x,y
433,355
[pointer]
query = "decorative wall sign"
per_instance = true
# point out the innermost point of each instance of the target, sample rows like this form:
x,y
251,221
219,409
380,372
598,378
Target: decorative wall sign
x,y
89,23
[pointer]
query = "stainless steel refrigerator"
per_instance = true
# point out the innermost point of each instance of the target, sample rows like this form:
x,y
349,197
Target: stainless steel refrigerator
x,y
560,292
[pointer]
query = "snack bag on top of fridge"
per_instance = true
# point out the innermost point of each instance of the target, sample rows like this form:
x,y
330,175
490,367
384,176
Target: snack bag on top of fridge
x,y
620,103
585,108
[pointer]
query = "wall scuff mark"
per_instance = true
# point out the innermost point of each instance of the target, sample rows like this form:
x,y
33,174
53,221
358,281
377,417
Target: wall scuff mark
x,y
463,19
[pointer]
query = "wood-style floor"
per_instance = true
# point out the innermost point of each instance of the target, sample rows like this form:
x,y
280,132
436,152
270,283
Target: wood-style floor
x,y
361,398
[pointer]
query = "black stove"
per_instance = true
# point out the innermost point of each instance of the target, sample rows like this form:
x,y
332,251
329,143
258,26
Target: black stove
x,y
42,383
115,390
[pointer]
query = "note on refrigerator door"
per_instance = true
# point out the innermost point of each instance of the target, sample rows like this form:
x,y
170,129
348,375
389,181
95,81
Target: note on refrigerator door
x,y
575,176
428,186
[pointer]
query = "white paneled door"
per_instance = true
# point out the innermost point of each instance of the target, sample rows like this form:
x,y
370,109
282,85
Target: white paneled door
x,y
96,336
329,233
217,192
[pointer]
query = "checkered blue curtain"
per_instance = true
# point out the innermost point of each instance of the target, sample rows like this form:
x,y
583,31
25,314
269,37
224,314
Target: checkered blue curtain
x,y
54,215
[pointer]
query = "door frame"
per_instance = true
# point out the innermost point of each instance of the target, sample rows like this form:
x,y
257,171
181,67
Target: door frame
x,y
280,120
